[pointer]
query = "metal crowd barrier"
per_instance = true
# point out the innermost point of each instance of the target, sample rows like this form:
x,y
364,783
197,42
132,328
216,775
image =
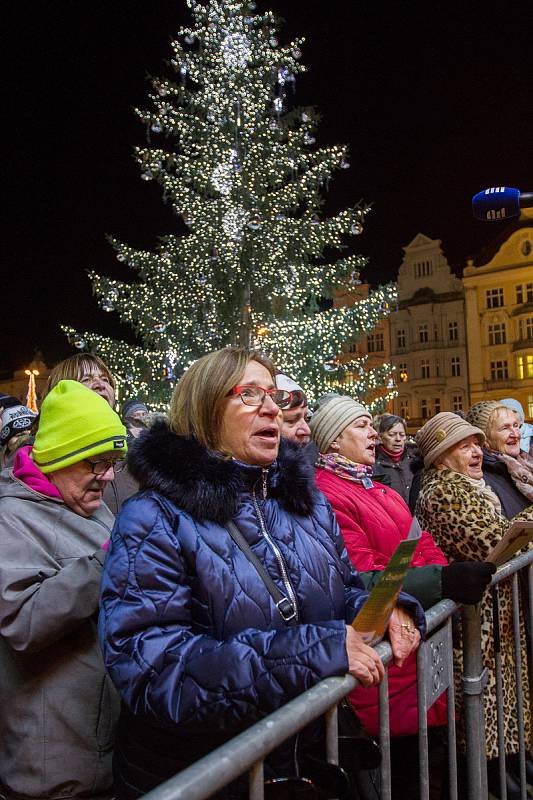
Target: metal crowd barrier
x,y
435,675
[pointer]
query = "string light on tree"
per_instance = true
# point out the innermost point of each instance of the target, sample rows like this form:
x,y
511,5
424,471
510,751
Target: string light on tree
x,y
237,161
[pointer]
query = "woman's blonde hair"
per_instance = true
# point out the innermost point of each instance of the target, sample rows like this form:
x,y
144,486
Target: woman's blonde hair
x,y
198,401
75,367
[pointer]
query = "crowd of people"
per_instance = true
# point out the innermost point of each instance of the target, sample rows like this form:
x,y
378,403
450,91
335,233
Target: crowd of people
x,y
167,580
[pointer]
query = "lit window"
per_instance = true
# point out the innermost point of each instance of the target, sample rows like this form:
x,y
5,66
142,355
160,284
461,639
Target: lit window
x,y
530,405
524,366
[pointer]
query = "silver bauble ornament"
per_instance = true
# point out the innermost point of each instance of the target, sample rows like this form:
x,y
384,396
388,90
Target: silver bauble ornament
x,y
255,222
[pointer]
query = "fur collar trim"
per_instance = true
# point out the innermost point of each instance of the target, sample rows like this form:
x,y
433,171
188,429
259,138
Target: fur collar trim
x,y
209,487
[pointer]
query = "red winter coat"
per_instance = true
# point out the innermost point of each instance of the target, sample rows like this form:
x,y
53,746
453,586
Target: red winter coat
x,y
373,521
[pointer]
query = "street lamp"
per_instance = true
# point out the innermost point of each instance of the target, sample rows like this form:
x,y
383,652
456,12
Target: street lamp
x,y
31,397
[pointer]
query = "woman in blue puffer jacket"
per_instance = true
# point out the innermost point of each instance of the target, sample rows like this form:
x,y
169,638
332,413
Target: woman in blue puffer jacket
x,y
192,639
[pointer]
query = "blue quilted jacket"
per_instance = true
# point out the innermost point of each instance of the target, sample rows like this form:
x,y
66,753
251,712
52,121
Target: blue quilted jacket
x,y
190,634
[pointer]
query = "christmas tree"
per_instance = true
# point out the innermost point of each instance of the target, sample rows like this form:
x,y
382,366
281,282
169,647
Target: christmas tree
x,y
235,158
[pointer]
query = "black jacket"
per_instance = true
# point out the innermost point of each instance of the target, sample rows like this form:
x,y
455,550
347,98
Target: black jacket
x,y
497,477
399,473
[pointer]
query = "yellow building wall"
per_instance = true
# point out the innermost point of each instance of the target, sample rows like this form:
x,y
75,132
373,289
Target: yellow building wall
x,y
499,322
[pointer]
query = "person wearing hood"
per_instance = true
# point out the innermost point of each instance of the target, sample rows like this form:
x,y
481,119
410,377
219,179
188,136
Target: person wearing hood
x,y
59,708
507,470
526,430
134,413
16,422
193,637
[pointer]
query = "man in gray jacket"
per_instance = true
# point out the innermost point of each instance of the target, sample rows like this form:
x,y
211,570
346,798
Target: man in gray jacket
x,y
59,708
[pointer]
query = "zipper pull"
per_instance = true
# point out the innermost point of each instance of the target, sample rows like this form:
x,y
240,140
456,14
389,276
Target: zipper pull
x,y
264,475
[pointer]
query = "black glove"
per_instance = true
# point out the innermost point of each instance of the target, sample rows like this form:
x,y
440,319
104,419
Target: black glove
x,y
465,581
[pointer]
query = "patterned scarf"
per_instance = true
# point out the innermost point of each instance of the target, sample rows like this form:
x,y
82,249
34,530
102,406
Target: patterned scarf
x,y
344,468
520,471
486,493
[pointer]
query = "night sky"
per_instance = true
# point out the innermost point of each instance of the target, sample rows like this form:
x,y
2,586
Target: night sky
x,y
433,98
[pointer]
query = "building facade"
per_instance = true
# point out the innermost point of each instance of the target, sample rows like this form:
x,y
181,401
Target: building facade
x,y
428,335
374,346
499,316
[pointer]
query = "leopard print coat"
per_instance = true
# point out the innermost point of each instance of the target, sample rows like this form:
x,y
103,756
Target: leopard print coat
x,y
466,528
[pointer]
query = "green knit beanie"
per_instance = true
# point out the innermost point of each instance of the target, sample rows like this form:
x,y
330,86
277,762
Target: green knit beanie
x,y
75,423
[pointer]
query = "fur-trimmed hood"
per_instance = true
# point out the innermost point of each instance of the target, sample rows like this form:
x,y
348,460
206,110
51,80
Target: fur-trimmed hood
x,y
207,486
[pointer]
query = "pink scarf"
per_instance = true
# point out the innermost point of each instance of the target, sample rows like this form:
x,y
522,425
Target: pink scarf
x,y
26,471
345,468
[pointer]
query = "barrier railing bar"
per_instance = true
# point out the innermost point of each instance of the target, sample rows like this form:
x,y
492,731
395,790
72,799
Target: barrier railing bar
x,y
256,781
240,754
529,630
384,738
423,754
452,743
513,566
332,737
499,690
474,678
519,687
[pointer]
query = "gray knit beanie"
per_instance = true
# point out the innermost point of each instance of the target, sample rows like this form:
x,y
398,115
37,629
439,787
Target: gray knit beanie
x,y
332,417
441,432
480,413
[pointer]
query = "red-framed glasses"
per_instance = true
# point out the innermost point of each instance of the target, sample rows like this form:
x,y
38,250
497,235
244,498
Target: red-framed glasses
x,y
252,395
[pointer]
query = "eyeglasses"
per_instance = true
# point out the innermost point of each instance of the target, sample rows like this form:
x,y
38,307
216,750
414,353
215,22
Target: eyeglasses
x,y
105,464
255,395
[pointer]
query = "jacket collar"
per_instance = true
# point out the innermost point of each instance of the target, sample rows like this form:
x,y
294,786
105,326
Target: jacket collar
x,y
209,487
492,463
